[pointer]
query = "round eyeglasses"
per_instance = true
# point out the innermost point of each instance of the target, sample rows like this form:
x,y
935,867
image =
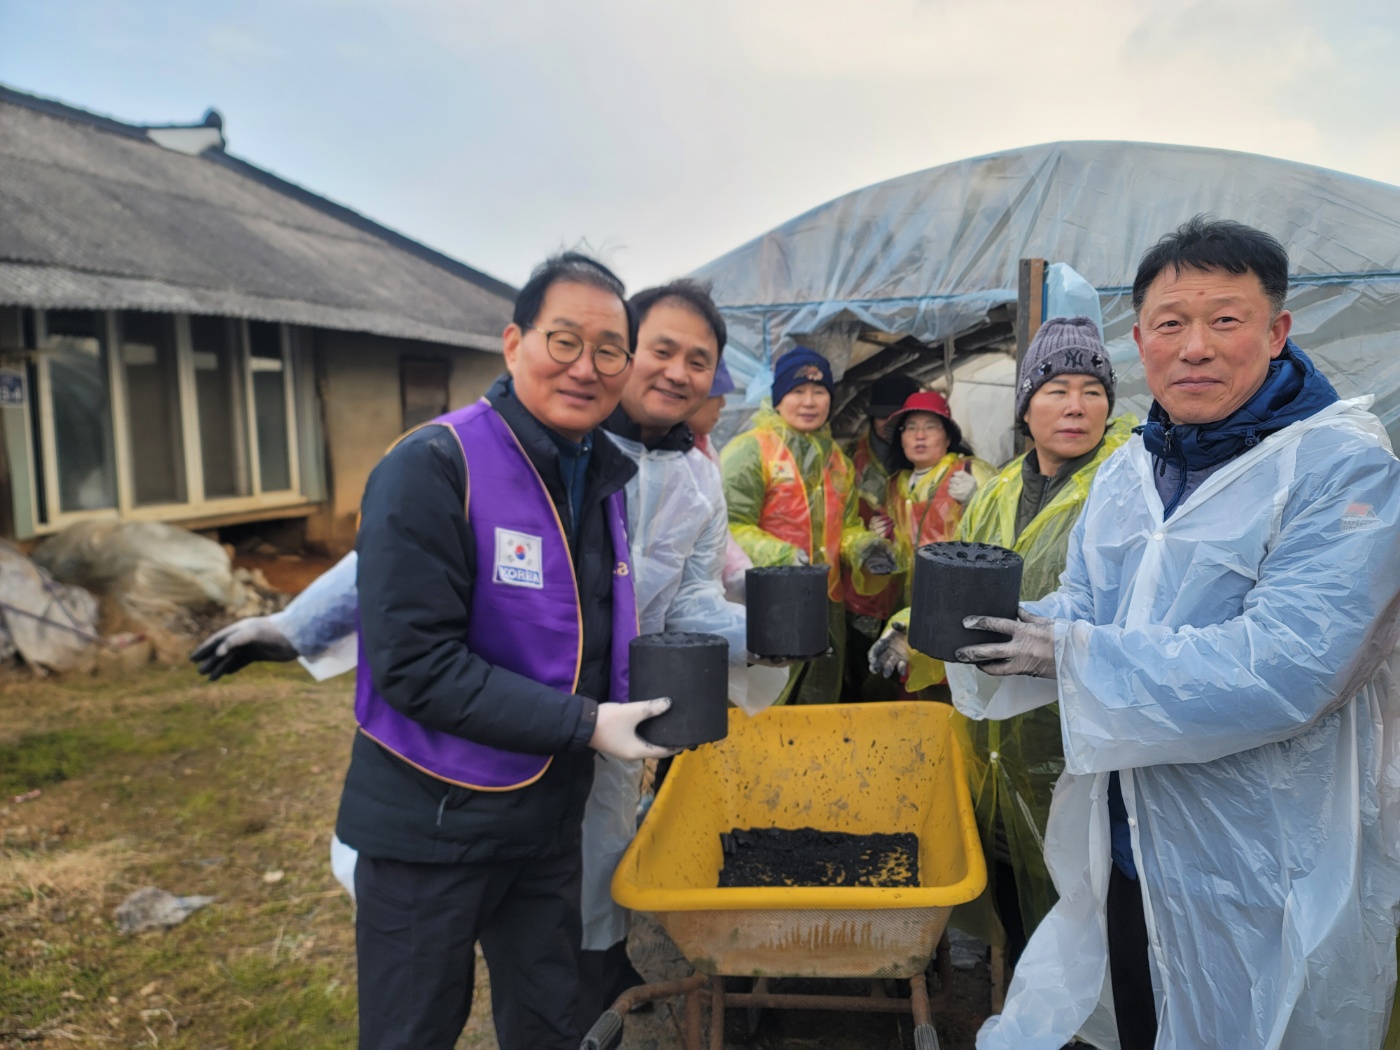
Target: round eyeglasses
x,y
922,429
565,348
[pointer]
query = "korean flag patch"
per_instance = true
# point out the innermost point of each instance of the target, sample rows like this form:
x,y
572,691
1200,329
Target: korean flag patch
x,y
519,559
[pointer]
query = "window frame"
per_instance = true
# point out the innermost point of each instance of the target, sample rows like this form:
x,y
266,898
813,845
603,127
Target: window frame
x,y
196,506
283,365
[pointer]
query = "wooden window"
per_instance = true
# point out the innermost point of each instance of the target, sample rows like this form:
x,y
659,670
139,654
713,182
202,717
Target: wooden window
x,y
223,421
154,423
270,372
76,416
157,416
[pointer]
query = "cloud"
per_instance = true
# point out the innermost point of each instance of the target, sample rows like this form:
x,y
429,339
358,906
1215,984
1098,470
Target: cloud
x,y
674,132
735,115
240,45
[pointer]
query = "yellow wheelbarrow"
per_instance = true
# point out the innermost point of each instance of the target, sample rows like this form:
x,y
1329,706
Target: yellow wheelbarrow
x,y
858,768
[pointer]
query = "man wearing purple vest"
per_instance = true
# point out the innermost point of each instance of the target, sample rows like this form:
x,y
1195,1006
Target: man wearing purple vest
x,y
678,531
492,666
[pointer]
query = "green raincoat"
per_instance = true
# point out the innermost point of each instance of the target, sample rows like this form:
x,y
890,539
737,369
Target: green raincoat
x,y
788,492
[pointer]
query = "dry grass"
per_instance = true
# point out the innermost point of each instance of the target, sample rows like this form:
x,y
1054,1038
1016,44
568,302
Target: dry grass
x,y
161,779
164,780
79,878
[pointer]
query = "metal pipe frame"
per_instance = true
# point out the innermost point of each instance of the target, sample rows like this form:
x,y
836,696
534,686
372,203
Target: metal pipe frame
x,y
699,988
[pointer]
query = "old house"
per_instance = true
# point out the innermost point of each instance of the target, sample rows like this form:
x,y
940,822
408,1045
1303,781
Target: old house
x,y
188,338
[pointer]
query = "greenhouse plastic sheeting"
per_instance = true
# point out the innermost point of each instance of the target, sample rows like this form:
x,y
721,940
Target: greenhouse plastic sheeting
x,y
928,254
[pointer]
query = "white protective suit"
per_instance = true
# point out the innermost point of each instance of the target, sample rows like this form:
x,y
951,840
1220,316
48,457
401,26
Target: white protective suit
x,y
1235,663
678,527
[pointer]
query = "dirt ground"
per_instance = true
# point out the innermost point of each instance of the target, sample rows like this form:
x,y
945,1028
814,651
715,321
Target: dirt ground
x,y
289,573
227,790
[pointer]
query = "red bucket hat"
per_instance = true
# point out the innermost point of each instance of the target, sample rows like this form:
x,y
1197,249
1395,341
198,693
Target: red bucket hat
x,y
924,401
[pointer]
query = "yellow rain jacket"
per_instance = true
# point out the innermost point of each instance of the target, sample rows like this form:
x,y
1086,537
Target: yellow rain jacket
x,y
872,476
923,511
791,491
1028,749
872,479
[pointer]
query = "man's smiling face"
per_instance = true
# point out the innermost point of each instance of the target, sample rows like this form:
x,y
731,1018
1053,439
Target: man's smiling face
x,y
571,399
1206,338
674,367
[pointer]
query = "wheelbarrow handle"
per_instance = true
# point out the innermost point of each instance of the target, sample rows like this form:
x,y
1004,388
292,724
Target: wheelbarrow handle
x,y
606,1033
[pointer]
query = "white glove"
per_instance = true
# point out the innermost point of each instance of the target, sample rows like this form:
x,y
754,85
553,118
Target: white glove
x,y
801,558
1029,651
883,526
889,656
242,643
616,731
962,486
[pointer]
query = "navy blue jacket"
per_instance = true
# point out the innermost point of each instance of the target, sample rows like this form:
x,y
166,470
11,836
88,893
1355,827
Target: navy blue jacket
x,y
390,809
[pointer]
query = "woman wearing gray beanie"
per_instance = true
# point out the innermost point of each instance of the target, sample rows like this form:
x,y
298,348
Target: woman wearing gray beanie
x,y
1064,346
1064,398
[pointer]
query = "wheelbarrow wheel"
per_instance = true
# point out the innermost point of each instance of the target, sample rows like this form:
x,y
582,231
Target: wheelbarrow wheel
x,y
741,1026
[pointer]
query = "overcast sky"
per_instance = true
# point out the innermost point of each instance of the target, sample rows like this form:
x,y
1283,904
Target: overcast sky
x,y
664,134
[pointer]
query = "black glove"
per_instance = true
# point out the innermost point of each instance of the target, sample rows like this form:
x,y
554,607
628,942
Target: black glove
x,y
879,560
889,656
240,644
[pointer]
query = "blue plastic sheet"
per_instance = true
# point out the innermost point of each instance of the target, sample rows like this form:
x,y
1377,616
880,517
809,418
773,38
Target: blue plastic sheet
x,y
1069,295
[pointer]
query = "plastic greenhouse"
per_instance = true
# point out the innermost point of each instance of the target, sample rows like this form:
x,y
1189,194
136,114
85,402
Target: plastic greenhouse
x,y
922,268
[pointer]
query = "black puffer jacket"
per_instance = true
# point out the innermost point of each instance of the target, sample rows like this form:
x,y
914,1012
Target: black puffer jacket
x,y
416,553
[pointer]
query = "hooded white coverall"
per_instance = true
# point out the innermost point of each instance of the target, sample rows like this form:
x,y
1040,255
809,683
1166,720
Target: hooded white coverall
x,y
1236,664
678,529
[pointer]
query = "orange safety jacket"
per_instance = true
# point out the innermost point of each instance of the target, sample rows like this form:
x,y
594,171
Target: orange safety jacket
x,y
787,512
871,479
871,476
927,514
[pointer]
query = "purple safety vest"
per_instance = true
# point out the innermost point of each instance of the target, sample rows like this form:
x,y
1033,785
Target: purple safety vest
x,y
525,615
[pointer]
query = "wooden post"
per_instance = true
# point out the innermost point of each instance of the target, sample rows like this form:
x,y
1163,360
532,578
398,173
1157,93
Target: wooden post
x,y
1030,304
1030,308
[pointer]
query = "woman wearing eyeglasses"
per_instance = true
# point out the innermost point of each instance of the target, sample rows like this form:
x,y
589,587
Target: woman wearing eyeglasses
x,y
933,476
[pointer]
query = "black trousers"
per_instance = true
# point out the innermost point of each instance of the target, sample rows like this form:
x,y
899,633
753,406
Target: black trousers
x,y
1128,967
603,976
1008,905
416,929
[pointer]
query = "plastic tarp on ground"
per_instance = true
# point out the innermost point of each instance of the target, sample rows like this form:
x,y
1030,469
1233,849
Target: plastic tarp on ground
x,y
928,254
51,625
